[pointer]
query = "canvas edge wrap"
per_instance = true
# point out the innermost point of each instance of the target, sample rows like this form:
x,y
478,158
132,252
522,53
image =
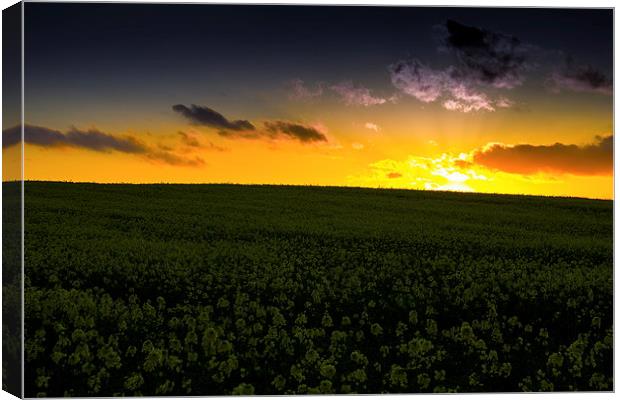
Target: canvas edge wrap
x,y
12,200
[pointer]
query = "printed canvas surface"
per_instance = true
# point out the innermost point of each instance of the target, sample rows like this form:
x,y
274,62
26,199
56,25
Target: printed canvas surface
x,y
316,199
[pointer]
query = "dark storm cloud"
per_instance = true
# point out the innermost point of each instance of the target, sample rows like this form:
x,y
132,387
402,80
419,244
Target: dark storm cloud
x,y
580,78
92,139
201,115
489,57
591,159
297,131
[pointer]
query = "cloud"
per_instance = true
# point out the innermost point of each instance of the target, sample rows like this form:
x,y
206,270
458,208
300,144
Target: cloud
x,y
99,141
488,57
300,91
580,78
493,168
463,163
416,79
357,96
244,129
428,85
504,102
91,139
293,130
466,99
357,146
438,173
188,140
348,92
94,140
201,115
482,59
37,135
558,158
192,142
372,126
172,159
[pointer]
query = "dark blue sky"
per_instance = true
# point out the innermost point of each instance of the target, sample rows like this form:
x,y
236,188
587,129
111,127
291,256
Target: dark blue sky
x,y
134,42
86,57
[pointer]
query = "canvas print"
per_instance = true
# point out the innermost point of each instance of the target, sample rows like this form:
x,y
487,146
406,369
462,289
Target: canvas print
x,y
262,199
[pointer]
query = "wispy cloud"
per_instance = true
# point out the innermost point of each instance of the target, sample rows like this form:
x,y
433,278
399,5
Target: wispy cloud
x,y
439,173
357,96
299,90
189,140
372,126
504,102
580,78
428,85
416,79
242,129
298,131
466,99
202,115
93,140
192,141
170,158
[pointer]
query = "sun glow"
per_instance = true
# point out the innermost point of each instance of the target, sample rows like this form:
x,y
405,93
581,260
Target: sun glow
x,y
449,172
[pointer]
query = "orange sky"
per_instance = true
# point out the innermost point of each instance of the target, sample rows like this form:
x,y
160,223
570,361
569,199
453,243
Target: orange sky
x,y
397,148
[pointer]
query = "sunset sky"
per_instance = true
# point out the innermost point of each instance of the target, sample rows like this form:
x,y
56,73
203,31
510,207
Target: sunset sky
x,y
484,100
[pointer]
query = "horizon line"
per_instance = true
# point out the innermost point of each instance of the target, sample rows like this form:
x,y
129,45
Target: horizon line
x,y
315,186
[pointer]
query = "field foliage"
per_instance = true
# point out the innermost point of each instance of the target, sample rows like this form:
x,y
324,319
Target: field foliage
x,y
229,289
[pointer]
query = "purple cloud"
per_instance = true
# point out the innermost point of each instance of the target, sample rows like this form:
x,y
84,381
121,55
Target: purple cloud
x,y
416,79
357,96
466,99
580,78
300,91
428,85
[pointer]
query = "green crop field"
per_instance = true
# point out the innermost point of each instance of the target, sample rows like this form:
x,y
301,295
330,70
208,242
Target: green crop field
x,y
230,289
